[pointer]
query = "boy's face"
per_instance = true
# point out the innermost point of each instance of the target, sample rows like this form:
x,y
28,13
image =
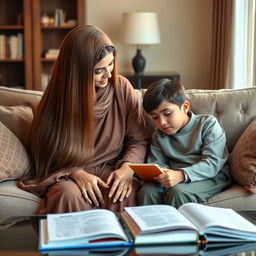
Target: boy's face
x,y
169,117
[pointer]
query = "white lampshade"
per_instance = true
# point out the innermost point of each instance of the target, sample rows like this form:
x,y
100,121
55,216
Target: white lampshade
x,y
141,28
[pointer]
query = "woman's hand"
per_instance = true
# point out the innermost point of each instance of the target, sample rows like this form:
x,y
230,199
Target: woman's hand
x,y
89,186
122,180
170,178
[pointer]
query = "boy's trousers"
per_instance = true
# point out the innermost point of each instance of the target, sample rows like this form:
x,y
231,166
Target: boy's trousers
x,y
197,192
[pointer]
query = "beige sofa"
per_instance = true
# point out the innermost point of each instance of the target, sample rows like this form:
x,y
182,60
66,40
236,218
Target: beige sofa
x,y
235,109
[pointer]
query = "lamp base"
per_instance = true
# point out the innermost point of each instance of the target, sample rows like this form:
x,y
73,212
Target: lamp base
x,y
138,62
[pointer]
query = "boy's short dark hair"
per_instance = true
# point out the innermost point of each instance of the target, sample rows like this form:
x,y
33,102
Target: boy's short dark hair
x,y
163,90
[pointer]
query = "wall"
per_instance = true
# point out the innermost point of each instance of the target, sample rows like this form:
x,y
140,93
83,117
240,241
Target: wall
x,y
185,27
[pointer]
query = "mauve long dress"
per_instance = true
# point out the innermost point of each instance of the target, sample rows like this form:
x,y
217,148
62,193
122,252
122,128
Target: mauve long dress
x,y
119,137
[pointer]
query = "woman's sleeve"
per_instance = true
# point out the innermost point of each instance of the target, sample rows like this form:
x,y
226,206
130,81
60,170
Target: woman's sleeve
x,y
40,188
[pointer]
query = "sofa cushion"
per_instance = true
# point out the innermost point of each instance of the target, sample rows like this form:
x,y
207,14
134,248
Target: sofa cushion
x,y
14,160
235,197
18,119
15,201
243,159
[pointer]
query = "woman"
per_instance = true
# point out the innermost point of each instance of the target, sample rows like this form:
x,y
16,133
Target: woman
x,y
86,130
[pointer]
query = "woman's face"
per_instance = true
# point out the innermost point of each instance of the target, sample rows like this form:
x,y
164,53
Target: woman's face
x,y
103,70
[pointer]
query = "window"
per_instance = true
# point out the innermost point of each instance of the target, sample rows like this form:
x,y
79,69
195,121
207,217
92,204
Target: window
x,y
242,72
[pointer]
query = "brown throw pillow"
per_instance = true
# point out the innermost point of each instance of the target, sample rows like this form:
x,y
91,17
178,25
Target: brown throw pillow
x,y
14,160
18,119
243,159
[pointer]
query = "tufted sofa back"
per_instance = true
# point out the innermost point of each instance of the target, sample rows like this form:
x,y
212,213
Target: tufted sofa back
x,y
234,108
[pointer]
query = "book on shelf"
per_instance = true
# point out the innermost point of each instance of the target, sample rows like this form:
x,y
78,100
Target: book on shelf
x,y
60,17
45,77
145,225
11,47
52,53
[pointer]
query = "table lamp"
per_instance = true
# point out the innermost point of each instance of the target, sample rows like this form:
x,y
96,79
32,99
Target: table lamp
x,y
140,28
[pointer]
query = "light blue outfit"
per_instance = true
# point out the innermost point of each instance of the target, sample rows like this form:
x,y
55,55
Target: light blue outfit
x,y
199,149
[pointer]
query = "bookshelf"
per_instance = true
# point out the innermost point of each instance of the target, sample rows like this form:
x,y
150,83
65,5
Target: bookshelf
x,y
48,35
15,69
42,25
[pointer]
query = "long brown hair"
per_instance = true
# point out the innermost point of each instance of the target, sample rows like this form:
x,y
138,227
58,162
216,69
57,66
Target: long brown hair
x,y
62,129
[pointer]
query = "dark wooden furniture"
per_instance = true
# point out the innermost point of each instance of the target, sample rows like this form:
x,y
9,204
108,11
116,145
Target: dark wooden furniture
x,y
143,81
51,36
24,16
15,18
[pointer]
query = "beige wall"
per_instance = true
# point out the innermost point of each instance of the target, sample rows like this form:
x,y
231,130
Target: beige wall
x,y
185,27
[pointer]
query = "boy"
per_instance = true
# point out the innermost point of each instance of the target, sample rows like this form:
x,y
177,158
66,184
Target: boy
x,y
190,148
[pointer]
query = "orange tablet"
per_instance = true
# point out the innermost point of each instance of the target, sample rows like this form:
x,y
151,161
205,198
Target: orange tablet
x,y
146,171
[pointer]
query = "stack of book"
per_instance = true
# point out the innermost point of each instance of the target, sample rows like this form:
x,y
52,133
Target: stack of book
x,y
52,53
60,17
11,47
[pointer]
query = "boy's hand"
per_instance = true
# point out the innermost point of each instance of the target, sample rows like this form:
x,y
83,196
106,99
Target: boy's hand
x,y
170,177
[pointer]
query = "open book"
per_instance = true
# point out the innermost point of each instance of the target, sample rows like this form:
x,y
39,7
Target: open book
x,y
145,225
85,229
190,221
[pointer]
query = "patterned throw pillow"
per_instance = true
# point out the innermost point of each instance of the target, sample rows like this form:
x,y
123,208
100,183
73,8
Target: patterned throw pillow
x,y
14,160
18,119
243,159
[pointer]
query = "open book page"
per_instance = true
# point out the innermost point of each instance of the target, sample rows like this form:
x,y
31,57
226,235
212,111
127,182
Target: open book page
x,y
219,221
90,225
155,218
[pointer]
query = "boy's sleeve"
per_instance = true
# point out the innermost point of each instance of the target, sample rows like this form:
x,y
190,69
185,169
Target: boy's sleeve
x,y
156,154
214,153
